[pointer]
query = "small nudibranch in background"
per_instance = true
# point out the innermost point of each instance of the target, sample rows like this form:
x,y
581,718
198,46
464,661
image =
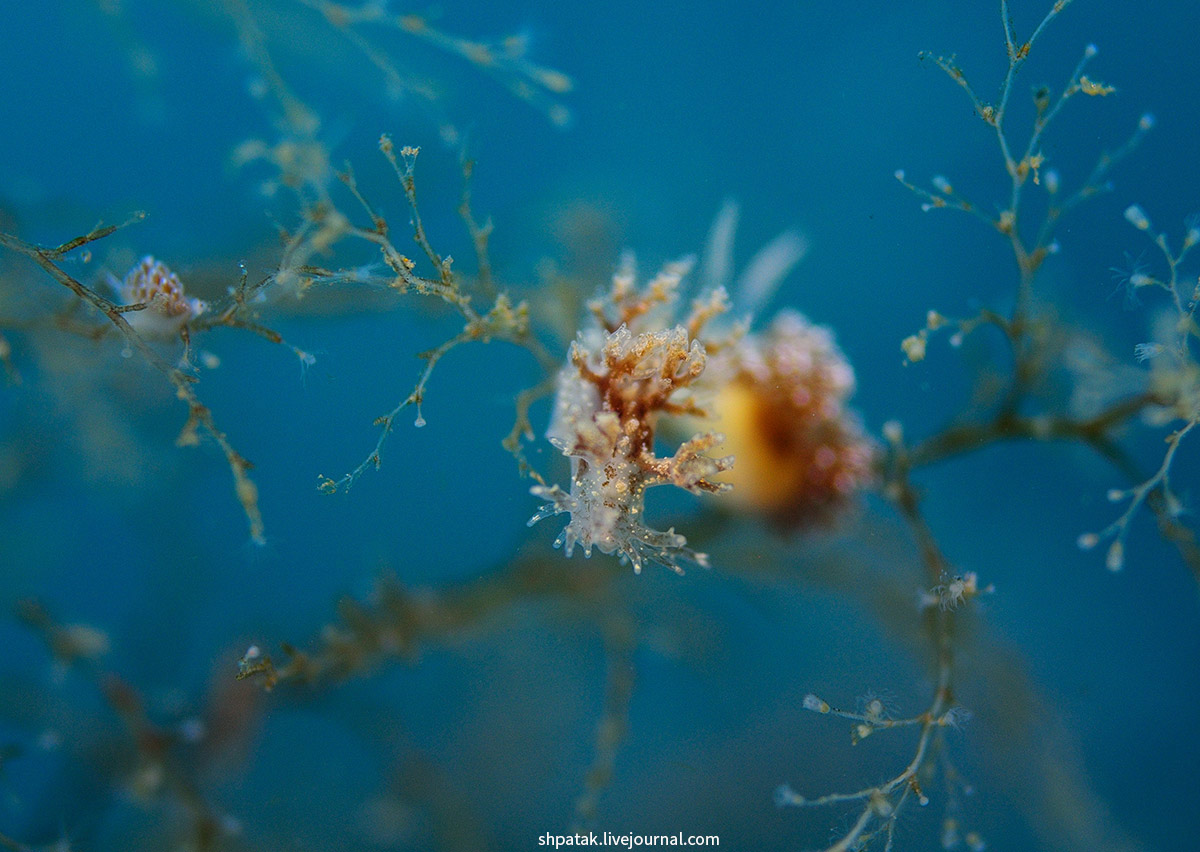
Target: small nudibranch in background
x,y
167,309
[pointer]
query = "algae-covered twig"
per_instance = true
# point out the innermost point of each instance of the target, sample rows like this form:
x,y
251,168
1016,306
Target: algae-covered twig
x,y
199,418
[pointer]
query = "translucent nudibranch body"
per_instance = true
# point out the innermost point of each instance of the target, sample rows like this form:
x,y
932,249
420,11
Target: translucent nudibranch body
x,y
167,309
629,367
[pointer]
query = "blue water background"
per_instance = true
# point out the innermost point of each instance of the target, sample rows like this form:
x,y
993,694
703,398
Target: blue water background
x,y
801,111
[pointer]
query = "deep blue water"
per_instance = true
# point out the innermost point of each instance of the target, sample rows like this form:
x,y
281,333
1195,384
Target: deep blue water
x,y
1083,684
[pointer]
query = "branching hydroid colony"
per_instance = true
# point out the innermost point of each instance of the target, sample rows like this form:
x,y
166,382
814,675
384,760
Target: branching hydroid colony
x,y
679,379
1020,410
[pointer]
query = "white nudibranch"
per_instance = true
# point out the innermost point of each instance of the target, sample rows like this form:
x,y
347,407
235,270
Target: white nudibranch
x,y
632,366
167,309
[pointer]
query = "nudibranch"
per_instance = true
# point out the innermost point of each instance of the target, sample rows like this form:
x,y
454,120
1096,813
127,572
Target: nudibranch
x,y
168,309
780,396
631,366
